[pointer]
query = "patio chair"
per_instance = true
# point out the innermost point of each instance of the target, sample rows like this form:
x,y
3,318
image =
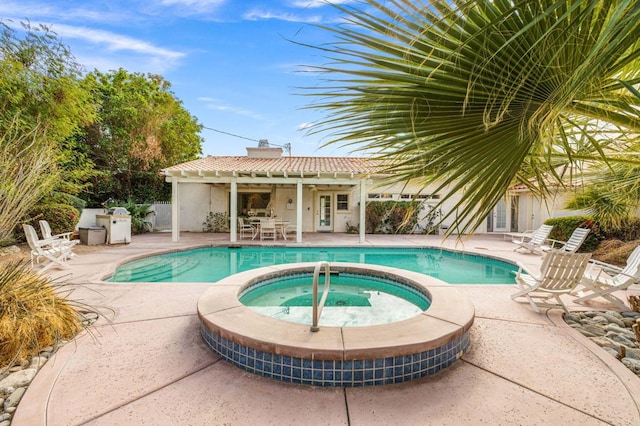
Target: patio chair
x,y
268,229
578,236
57,254
245,228
534,241
290,228
603,279
560,273
64,238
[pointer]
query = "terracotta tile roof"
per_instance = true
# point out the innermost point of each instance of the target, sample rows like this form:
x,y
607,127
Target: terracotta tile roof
x,y
356,165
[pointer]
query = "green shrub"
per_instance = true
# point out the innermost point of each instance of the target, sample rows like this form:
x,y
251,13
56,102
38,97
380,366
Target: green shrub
x,y
33,313
139,213
391,217
563,227
216,222
61,218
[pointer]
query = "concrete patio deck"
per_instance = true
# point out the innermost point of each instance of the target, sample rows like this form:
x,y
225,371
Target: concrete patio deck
x,y
147,364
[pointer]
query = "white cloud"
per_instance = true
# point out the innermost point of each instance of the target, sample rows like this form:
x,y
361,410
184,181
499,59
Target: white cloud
x,y
206,99
318,3
191,7
212,105
115,42
258,14
32,10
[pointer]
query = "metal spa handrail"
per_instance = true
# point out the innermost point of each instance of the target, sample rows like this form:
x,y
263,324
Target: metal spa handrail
x,y
317,308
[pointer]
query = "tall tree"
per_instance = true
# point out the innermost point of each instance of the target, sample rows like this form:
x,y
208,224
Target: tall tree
x,y
477,95
141,128
42,103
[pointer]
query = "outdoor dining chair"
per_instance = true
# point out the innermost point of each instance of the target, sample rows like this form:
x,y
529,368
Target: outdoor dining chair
x,y
268,230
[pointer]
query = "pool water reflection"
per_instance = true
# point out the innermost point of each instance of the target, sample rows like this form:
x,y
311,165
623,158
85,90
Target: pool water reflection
x,y
212,264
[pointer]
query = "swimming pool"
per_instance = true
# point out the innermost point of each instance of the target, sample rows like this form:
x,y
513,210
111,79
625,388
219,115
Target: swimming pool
x,y
211,264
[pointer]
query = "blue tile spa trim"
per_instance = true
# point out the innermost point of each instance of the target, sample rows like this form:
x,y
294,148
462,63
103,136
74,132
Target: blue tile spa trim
x,y
337,356
338,373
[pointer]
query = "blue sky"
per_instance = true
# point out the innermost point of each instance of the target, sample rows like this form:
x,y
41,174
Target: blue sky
x,y
231,62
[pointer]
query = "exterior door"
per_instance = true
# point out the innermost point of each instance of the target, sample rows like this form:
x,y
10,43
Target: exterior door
x,y
498,222
324,213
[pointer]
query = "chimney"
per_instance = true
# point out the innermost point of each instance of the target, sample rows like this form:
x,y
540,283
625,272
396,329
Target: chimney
x,y
264,150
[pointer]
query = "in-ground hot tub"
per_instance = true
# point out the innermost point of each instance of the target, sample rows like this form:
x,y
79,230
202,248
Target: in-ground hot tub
x,y
337,356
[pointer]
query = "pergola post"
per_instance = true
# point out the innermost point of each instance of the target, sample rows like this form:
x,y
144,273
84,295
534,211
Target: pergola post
x,y
234,211
299,211
363,209
175,210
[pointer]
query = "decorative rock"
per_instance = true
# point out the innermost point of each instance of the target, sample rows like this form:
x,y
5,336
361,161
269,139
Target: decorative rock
x,y
7,391
585,333
13,399
587,320
599,319
13,385
603,342
613,319
18,379
90,316
633,353
595,330
620,339
612,352
37,362
611,331
575,317
614,328
632,364
614,314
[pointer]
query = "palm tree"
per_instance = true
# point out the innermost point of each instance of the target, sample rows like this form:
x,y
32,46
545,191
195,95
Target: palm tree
x,y
474,96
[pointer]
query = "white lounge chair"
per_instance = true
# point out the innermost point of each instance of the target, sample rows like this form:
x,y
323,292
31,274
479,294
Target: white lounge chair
x,y
56,254
560,273
63,239
534,241
603,280
246,228
578,236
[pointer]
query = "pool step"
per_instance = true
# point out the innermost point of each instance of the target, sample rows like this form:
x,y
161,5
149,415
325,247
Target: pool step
x,y
152,271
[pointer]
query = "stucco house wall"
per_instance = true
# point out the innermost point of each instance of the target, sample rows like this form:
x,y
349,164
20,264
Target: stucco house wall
x,y
195,205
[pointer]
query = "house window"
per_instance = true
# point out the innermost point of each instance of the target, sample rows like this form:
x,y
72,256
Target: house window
x,y
342,202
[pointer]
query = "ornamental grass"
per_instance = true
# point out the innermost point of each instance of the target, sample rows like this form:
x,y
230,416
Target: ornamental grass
x,y
34,313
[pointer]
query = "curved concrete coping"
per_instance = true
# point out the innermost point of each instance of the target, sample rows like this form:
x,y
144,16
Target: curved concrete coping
x,y
450,315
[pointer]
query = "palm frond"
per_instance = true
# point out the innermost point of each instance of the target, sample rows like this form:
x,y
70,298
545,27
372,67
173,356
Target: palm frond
x,y
474,96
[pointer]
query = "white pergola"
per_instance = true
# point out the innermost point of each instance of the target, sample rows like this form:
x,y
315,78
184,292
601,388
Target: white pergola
x,y
232,179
